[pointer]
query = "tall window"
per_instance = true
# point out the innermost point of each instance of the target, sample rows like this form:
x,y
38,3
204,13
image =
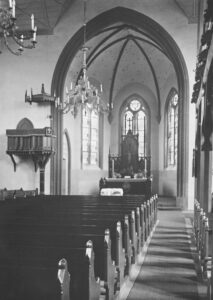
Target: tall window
x,y
90,134
172,129
135,119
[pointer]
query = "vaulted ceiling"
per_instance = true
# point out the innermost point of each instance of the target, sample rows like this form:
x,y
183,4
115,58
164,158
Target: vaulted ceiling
x,y
49,12
122,55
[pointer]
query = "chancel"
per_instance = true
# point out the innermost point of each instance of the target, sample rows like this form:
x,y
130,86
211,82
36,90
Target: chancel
x,y
106,168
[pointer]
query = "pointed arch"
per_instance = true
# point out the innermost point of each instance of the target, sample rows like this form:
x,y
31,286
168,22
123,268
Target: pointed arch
x,y
25,123
171,116
168,45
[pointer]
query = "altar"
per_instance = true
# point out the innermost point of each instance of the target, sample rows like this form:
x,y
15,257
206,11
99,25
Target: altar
x,y
129,171
130,186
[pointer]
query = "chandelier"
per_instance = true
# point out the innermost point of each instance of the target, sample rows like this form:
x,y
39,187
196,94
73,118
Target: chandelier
x,y
8,29
83,94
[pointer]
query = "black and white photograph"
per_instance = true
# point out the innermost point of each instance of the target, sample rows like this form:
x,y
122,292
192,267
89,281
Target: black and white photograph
x,y
106,165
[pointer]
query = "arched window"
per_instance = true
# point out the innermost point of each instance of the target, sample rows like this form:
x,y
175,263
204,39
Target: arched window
x,y
90,136
172,129
135,118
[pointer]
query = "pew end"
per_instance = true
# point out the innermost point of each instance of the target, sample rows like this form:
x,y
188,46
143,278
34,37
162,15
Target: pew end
x,y
64,279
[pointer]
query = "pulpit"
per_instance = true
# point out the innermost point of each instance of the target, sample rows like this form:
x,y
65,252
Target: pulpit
x,y
34,143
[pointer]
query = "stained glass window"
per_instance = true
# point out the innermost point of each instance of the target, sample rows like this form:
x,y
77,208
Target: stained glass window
x,y
90,133
172,130
135,119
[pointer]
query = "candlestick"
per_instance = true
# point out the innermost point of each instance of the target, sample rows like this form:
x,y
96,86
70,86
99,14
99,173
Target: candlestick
x,y
32,22
13,8
10,4
113,167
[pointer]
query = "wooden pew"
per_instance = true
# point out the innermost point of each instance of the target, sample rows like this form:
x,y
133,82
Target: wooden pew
x,y
24,282
123,258
89,224
31,277
203,224
64,279
36,236
39,236
15,194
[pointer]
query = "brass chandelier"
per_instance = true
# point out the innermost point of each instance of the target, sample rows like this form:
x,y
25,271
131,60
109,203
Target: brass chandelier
x,y
83,94
8,29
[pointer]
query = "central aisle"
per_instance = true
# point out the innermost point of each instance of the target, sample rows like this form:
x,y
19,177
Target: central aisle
x,y
169,271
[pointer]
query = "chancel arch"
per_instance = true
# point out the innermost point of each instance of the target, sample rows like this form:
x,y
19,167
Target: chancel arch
x,y
163,40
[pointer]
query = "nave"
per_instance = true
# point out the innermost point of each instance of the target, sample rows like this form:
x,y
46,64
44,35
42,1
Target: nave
x,y
121,98
170,269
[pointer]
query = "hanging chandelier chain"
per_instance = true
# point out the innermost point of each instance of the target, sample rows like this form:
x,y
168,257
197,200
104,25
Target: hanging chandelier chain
x,y
83,94
85,21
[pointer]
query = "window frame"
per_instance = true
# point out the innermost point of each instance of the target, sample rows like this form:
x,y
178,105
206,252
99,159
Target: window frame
x,y
99,153
146,110
167,165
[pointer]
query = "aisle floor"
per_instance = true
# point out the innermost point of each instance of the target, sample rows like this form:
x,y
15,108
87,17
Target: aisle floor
x,y
169,271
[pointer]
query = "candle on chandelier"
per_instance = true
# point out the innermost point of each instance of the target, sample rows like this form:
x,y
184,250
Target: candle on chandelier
x,y
71,85
13,8
32,22
10,4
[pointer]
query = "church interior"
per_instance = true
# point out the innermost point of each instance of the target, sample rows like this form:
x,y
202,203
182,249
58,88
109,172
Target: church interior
x,y
106,168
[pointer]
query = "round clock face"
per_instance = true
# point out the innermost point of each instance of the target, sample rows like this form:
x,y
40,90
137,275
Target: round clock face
x,y
135,105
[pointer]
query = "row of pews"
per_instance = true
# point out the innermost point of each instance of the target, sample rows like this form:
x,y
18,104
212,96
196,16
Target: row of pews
x,y
6,194
204,246
71,247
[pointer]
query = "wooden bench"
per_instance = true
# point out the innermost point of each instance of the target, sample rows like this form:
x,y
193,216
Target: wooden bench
x,y
93,220
37,279
48,236
203,233
14,194
54,227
